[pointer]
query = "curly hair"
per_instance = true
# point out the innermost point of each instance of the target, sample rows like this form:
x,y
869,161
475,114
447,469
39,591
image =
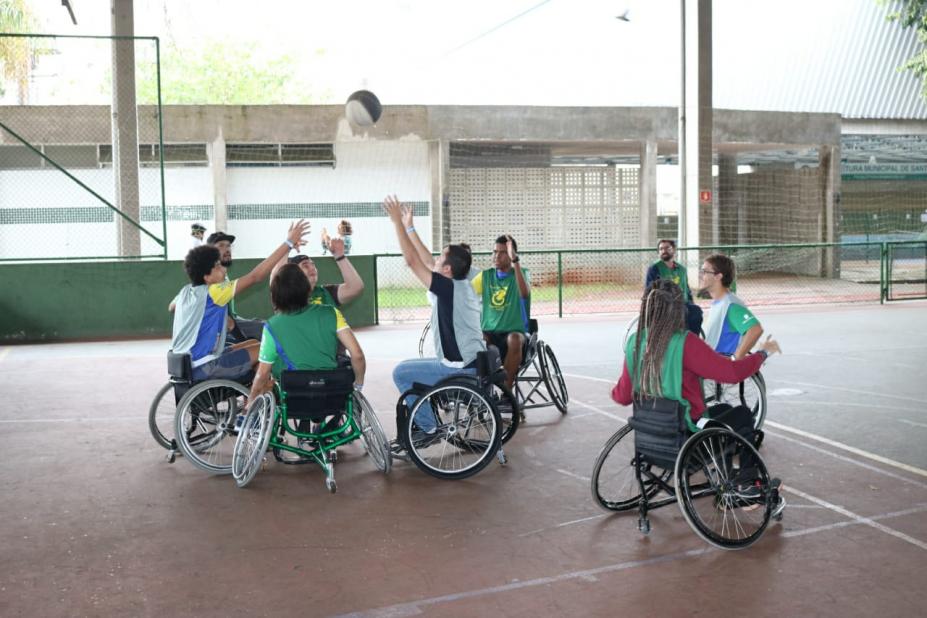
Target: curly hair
x,y
663,314
289,289
199,262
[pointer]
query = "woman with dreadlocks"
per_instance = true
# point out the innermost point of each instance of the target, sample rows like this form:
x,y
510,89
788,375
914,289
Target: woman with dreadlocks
x,y
671,361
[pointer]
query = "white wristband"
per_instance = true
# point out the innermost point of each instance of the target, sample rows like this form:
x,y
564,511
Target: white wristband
x,y
289,243
410,229
358,387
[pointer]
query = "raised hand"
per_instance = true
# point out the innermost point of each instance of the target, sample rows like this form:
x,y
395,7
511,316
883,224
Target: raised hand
x,y
771,346
509,247
393,208
336,246
407,216
297,233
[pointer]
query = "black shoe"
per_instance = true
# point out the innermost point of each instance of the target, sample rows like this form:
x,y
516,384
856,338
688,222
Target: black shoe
x,y
398,451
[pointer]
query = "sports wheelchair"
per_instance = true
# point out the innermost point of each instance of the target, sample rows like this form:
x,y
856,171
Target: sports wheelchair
x,y
321,411
474,416
750,393
715,476
194,418
538,367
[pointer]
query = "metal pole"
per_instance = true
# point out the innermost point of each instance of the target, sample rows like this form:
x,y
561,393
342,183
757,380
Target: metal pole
x,y
681,232
559,284
161,144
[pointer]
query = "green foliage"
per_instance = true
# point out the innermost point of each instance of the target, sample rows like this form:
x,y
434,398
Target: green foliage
x,y
913,14
222,73
15,52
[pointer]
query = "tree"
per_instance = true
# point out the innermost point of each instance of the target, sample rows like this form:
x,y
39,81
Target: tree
x,y
16,52
913,14
222,73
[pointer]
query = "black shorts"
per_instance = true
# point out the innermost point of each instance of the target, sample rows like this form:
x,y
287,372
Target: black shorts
x,y
500,340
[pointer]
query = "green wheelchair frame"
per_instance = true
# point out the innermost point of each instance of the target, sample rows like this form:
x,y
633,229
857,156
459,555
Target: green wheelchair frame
x,y
267,425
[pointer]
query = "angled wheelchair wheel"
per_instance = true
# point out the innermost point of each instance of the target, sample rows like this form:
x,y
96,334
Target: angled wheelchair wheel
x,y
467,437
553,378
507,405
728,507
750,393
630,330
372,436
161,415
253,438
206,416
614,482
425,345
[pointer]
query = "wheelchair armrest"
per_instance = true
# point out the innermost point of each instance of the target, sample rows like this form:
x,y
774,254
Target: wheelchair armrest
x,y
179,367
488,363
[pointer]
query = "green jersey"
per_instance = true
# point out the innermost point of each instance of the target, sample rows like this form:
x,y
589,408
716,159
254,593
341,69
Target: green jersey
x,y
504,310
308,338
670,374
677,274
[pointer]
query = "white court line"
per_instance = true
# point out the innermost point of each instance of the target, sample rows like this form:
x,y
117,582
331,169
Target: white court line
x,y
851,449
843,524
805,434
566,523
576,375
599,410
868,521
852,390
574,475
416,608
912,423
4,352
790,401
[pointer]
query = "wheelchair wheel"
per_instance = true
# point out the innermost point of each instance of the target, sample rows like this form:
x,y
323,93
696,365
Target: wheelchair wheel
x,y
206,415
372,435
425,345
467,435
161,416
506,404
630,330
614,482
253,438
553,378
750,393
727,507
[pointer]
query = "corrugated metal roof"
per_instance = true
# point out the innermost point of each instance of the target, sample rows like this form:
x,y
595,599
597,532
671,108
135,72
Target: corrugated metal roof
x,y
849,66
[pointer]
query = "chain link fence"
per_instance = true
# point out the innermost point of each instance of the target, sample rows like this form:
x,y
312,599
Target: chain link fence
x,y
81,149
906,270
611,281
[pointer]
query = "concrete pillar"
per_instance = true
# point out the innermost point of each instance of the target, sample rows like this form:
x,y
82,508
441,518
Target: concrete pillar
x,y
697,120
727,212
125,127
215,152
439,157
829,164
648,193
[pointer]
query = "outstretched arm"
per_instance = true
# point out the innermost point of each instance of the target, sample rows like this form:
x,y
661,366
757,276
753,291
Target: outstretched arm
x,y
260,272
747,341
523,287
358,361
423,253
353,285
393,209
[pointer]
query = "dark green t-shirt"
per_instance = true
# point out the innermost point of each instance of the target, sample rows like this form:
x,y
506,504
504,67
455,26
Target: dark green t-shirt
x,y
677,275
308,338
503,309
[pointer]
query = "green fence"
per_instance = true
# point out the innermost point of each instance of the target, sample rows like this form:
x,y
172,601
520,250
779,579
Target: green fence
x,y
81,149
573,282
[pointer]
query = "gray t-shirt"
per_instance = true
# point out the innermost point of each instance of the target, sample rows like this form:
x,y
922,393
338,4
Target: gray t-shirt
x,y
455,321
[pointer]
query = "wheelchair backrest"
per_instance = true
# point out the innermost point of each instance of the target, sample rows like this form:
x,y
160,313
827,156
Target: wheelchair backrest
x,y
316,394
179,367
659,430
532,326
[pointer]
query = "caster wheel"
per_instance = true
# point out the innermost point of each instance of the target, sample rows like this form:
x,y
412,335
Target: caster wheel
x,y
644,526
171,457
331,485
333,456
502,458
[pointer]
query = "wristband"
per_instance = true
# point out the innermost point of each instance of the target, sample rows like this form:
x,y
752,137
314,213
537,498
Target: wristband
x,y
358,387
410,229
515,260
340,257
289,243
764,353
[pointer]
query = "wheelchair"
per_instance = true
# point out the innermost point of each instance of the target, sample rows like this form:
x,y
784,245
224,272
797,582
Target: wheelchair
x,y
750,393
539,367
321,411
474,416
193,418
654,460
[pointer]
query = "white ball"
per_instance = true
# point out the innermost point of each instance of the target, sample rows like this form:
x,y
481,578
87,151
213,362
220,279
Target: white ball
x,y
363,108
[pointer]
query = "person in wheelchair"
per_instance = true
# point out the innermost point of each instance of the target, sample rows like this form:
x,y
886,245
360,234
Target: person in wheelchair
x,y
505,292
331,294
666,361
668,268
455,315
201,310
302,334
731,329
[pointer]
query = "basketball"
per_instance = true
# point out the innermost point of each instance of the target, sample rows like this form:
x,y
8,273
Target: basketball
x,y
363,108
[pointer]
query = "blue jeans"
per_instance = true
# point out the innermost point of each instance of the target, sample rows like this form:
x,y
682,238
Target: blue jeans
x,y
424,371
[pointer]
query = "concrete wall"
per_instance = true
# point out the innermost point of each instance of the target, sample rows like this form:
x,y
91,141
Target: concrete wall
x,y
55,302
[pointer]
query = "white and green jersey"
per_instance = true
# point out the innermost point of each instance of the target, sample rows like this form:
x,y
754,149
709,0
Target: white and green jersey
x,y
728,320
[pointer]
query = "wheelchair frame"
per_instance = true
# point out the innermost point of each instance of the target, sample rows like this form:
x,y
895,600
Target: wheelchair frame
x,y
268,415
702,467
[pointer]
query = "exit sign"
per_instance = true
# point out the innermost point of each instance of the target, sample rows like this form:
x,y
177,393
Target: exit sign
x,y
704,196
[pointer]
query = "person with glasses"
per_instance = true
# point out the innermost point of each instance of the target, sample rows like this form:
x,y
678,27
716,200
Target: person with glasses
x,y
669,269
731,329
331,294
201,309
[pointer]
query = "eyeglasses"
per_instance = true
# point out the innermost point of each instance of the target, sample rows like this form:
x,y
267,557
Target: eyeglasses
x,y
298,259
702,271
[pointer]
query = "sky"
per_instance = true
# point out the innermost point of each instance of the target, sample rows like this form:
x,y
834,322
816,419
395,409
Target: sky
x,y
505,52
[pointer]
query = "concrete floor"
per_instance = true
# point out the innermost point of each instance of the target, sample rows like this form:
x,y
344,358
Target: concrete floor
x,y
96,523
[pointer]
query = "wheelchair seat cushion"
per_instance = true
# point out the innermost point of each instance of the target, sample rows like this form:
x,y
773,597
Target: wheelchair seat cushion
x,y
659,430
316,394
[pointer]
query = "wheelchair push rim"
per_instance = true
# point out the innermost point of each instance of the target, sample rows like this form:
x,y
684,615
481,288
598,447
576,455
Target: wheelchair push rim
x,y
751,393
372,435
161,416
715,501
614,483
467,435
206,416
553,378
253,438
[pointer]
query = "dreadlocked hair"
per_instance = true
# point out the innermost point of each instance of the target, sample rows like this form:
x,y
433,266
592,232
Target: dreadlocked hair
x,y
663,313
